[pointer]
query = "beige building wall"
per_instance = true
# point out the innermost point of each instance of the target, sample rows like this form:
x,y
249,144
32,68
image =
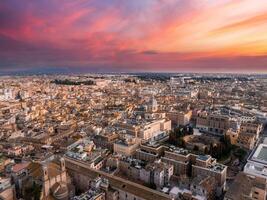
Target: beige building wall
x,y
8,194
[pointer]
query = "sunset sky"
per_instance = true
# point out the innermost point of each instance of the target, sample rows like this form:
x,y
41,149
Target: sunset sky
x,y
134,35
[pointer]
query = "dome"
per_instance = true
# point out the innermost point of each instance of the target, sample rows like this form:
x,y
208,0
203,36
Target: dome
x,y
153,105
60,191
153,101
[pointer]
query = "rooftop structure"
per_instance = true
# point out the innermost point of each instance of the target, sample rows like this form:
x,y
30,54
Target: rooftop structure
x,y
257,162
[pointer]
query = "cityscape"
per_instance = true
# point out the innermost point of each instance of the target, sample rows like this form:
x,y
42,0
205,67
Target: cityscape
x,y
133,136
133,100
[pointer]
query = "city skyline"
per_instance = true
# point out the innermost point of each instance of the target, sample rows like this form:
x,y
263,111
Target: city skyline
x,y
133,36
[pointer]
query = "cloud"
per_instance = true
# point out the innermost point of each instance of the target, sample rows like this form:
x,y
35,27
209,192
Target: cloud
x,y
117,34
151,52
247,23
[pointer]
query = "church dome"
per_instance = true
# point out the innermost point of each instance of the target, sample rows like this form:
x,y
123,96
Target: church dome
x,y
60,191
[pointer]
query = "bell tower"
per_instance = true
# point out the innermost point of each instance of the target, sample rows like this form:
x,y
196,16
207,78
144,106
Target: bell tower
x,y
62,164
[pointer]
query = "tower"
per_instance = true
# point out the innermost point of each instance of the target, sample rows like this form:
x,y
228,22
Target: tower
x,y
45,172
63,175
62,164
45,181
153,105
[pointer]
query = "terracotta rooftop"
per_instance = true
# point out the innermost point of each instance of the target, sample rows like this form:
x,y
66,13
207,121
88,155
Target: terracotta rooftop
x,y
18,167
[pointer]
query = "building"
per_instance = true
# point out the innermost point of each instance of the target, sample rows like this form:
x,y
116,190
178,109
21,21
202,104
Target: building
x,y
86,151
152,105
204,94
193,165
99,190
7,191
196,188
7,94
233,136
205,165
179,158
127,190
19,174
156,173
106,141
213,123
126,146
203,186
247,187
180,118
257,162
246,140
150,151
50,177
249,133
251,127
146,130
130,167
154,129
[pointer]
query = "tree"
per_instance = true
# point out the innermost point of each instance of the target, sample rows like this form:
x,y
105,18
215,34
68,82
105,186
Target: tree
x,y
196,148
33,192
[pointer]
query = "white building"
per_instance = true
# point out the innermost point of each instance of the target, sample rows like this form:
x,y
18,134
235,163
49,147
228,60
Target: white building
x,y
6,94
257,162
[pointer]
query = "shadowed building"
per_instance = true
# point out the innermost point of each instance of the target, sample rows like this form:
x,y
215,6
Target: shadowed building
x,y
50,179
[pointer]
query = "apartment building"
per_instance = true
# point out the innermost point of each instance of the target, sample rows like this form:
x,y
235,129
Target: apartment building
x,y
180,118
213,123
192,165
157,173
146,130
126,146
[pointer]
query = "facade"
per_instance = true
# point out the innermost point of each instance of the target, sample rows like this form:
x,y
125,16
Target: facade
x,y
251,127
180,118
179,159
233,136
7,190
106,141
157,173
150,151
214,123
249,134
154,129
146,130
246,140
51,177
126,147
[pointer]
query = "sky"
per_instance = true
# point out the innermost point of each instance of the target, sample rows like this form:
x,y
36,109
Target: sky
x,y
134,35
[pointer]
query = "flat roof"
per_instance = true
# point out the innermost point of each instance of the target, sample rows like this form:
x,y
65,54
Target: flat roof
x,y
203,157
263,153
260,155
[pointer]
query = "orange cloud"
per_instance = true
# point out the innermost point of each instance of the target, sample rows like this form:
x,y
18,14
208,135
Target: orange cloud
x,y
247,23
